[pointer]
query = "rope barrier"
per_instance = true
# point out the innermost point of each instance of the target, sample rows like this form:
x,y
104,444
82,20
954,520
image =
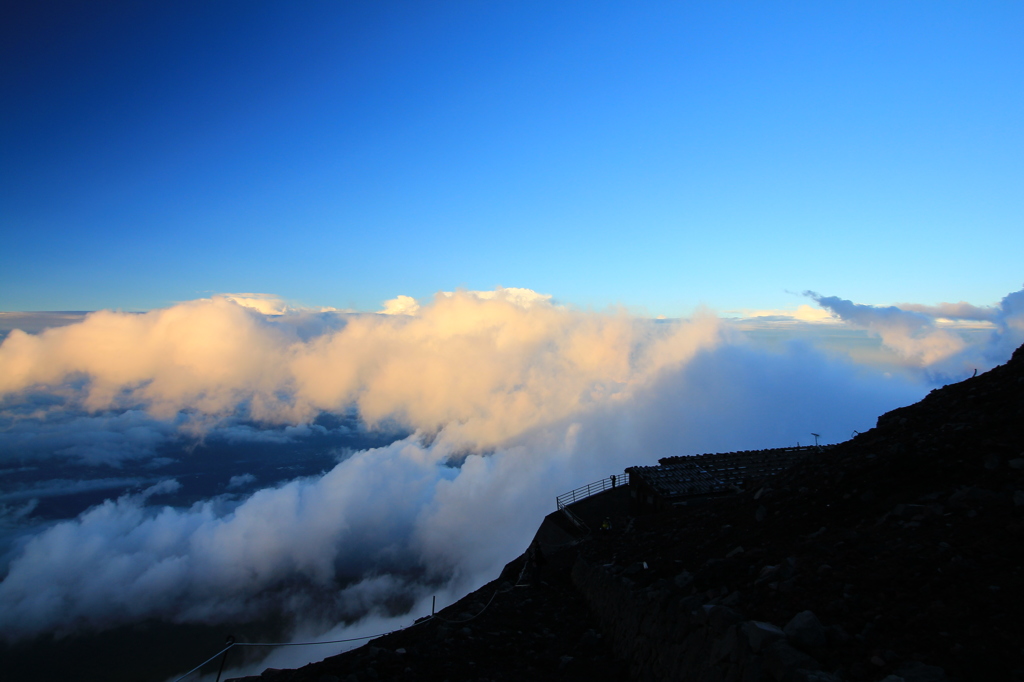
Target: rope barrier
x,y
332,641
204,662
432,616
350,639
623,478
458,622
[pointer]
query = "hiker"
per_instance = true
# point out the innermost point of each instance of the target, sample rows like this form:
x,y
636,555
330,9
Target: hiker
x,y
534,562
538,561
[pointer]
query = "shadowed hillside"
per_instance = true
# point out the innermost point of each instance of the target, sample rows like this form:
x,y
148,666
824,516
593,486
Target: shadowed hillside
x,y
894,556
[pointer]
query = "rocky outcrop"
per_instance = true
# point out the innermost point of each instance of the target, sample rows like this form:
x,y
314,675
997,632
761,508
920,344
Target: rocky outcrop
x,y
666,637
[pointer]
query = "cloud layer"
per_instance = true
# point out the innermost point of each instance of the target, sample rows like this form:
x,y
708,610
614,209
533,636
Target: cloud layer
x,y
486,367
511,400
915,331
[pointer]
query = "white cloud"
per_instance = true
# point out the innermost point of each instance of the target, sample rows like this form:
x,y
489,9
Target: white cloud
x,y
1009,332
207,355
267,304
167,486
402,305
913,335
106,438
122,560
918,334
802,313
240,481
495,365
524,298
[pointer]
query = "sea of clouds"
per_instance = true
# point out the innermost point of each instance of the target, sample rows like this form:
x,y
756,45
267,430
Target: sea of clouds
x,y
500,401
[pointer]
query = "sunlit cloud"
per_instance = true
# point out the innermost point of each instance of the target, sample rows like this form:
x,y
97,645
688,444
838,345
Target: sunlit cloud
x,y
492,365
401,305
523,298
923,335
803,313
913,335
269,304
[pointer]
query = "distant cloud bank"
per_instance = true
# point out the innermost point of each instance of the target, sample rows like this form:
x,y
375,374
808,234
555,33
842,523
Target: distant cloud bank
x,y
914,331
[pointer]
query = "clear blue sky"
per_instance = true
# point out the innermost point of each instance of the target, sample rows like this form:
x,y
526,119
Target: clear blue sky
x,y
660,155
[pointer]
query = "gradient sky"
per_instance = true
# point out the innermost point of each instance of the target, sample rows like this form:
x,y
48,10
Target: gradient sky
x,y
658,155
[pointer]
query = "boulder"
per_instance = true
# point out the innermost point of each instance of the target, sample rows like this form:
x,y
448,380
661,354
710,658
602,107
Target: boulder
x,y
781,661
805,630
760,634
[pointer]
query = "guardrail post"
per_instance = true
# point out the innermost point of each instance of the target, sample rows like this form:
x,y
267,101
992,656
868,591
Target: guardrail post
x,y
229,641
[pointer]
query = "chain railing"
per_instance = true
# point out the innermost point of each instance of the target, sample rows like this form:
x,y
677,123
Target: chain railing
x,y
583,492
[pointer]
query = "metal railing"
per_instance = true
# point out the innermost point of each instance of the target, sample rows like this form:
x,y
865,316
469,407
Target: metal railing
x,y
583,492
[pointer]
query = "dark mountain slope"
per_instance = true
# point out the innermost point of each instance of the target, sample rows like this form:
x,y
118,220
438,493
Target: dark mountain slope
x,y
905,543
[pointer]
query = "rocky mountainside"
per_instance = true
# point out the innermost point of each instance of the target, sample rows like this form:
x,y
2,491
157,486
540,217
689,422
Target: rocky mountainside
x,y
894,556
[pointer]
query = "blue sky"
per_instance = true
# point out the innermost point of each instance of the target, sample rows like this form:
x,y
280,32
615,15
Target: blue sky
x,y
657,155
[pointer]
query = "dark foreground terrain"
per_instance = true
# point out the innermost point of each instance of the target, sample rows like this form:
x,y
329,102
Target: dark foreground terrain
x,y
894,556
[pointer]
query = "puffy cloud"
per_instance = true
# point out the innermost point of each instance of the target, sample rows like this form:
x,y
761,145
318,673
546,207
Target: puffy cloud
x,y
15,513
123,560
208,355
911,334
802,313
108,438
267,304
486,368
240,481
164,487
495,365
1009,331
402,305
523,298
914,331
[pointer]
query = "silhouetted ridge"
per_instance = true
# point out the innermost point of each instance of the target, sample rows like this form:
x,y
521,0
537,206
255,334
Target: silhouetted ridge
x,y
898,553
